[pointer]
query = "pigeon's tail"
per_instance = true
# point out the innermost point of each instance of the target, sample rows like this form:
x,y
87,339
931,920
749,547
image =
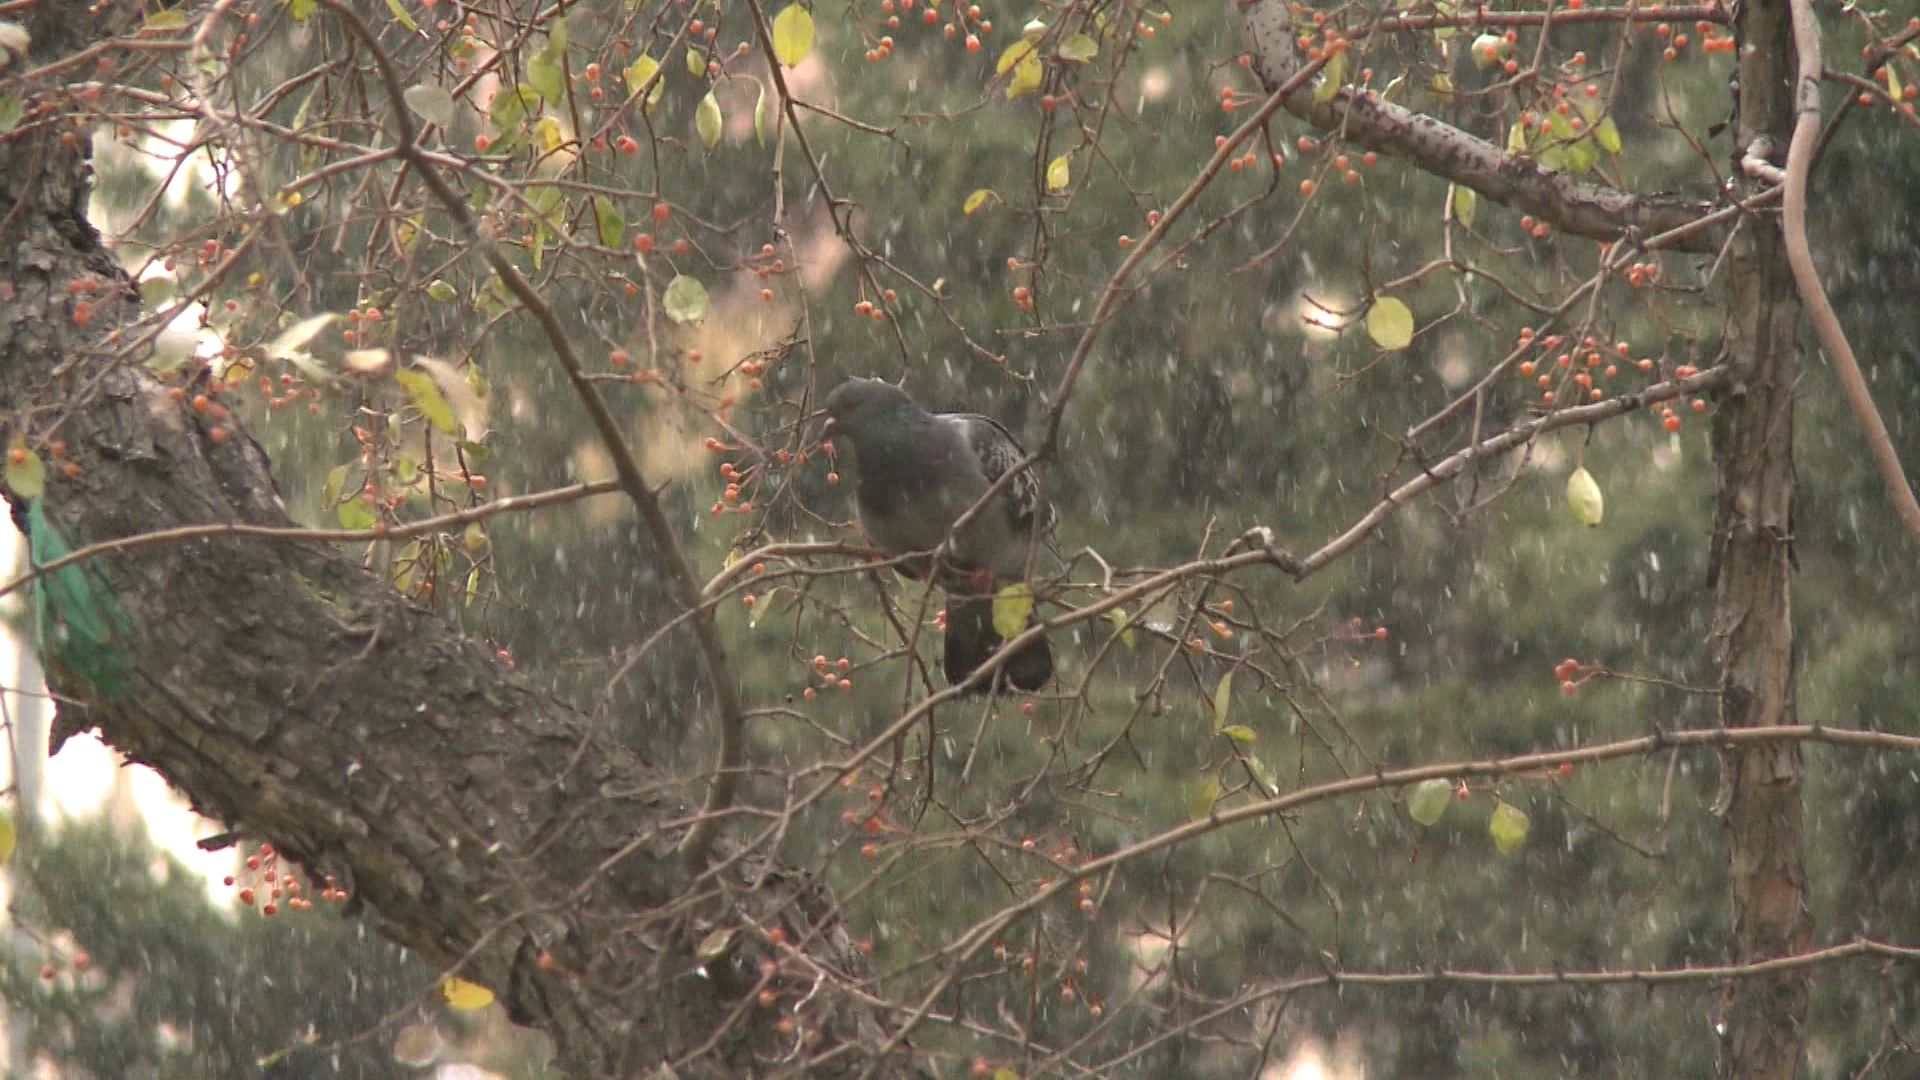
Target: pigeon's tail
x,y
971,639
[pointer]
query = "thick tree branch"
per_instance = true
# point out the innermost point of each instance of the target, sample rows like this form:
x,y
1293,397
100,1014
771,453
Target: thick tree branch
x,y
1364,119
686,581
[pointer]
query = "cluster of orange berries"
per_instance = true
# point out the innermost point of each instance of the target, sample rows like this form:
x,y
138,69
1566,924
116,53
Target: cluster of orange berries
x,y
1331,43
644,242
278,885
1565,671
1905,93
769,264
968,20
831,676
359,324
1579,364
57,449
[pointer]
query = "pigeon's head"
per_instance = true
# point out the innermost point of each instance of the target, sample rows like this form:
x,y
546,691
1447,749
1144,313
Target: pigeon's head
x,y
857,405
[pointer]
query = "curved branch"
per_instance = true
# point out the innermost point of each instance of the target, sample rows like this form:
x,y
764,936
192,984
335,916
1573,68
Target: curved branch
x,y
1800,153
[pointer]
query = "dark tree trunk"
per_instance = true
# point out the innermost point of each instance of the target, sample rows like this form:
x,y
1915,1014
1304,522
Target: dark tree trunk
x,y
1762,1020
301,700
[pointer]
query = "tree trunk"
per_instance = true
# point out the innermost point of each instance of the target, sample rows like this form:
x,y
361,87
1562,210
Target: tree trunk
x,y
1762,1022
301,700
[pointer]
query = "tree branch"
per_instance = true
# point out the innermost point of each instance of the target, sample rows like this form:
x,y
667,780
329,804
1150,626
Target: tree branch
x,y
1800,153
720,673
1363,118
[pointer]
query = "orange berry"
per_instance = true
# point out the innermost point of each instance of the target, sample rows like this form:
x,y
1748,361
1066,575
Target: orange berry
x,y
1671,423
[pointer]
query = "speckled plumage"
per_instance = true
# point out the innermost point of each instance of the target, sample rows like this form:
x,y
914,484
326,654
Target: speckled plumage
x,y
917,472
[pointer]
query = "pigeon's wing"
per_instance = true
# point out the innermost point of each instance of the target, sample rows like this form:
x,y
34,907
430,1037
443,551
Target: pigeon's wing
x,y
997,451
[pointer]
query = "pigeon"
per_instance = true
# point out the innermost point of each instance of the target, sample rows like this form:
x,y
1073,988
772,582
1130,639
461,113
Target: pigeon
x,y
917,472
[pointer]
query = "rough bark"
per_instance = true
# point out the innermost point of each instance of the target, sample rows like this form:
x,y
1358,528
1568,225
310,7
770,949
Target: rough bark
x,y
301,700
1762,1022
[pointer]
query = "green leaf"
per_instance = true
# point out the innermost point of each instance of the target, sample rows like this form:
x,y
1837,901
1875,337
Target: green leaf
x,y
11,109
1331,77
1200,801
685,300
1517,139
1004,1073
26,474
546,76
708,121
1078,49
1441,85
1059,174
473,584
1011,607
1465,202
427,398
1239,733
1390,324
432,102
354,513
606,218
760,114
302,10
792,34
637,75
1123,625
1428,800
9,837
441,292
976,200
336,483
166,19
1583,498
1607,135
1222,701
400,16
696,63
1024,60
1508,827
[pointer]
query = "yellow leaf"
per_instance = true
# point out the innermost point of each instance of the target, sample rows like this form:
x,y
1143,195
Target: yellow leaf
x,y
1123,624
696,64
1607,135
1058,174
1222,701
1200,802
1583,498
760,114
1011,607
1024,60
1239,733
1331,77
26,473
707,120
1441,85
548,136
166,19
637,75
1465,202
976,200
1508,827
1390,324
9,838
1078,48
463,995
792,35
427,398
